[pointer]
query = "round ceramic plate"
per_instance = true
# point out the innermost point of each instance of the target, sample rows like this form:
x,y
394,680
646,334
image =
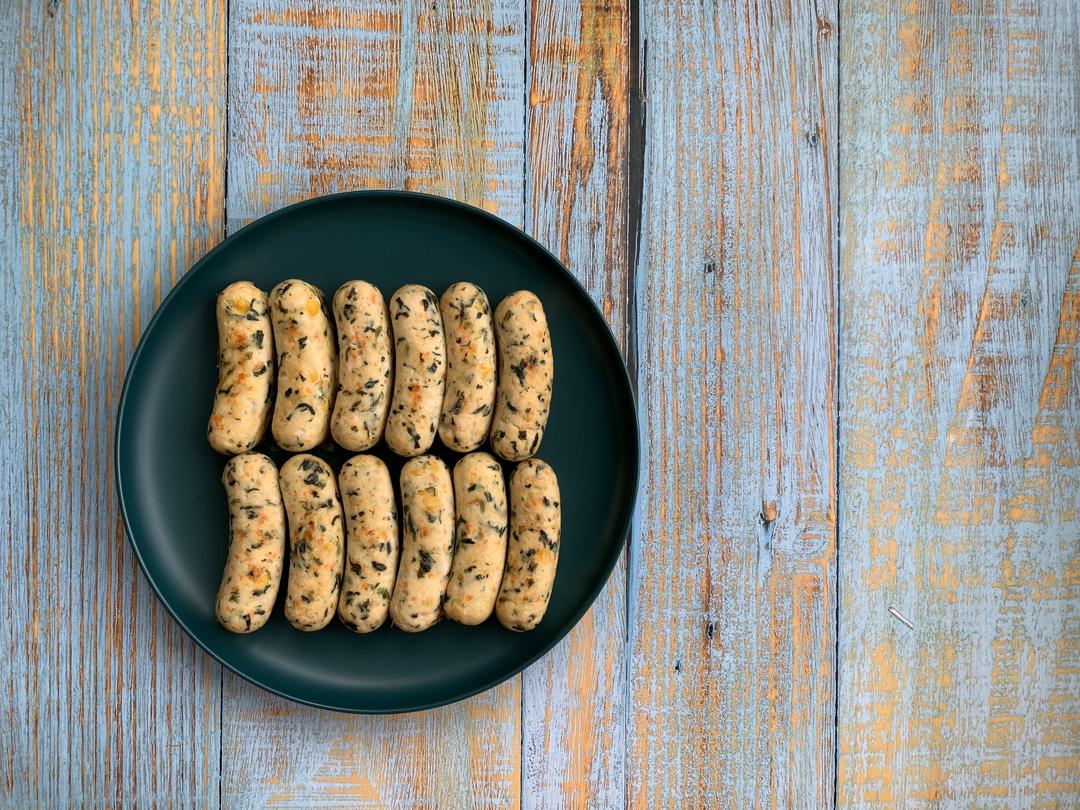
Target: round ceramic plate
x,y
168,478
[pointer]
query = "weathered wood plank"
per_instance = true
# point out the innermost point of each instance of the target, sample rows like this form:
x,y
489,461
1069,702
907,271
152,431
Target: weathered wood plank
x,y
419,96
411,95
111,163
733,573
278,754
961,404
574,711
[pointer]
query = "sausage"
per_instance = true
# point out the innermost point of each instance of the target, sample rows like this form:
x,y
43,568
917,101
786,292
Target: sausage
x,y
365,355
372,549
427,514
419,370
526,366
307,363
249,584
480,534
470,367
316,541
535,521
243,397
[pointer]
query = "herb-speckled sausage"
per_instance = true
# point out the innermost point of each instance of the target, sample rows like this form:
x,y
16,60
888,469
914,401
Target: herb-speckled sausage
x,y
242,399
316,541
252,574
427,515
526,366
419,370
470,367
535,522
307,361
365,365
480,529
372,549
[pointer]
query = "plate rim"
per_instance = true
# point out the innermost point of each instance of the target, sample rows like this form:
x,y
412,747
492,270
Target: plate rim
x,y
430,199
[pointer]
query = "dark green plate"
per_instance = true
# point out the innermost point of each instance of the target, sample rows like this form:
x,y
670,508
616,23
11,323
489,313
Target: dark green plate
x,y
168,478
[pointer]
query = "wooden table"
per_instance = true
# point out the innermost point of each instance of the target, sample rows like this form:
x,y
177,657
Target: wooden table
x,y
839,246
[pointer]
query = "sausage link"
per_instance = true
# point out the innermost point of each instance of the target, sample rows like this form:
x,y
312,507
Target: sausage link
x,y
427,513
243,397
252,576
365,366
419,370
533,555
526,366
372,549
316,541
470,367
480,533
307,365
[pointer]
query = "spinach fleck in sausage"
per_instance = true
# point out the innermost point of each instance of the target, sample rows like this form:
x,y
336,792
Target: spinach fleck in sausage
x,y
480,533
316,541
419,370
470,367
249,584
307,363
427,515
242,399
533,553
372,548
365,365
526,366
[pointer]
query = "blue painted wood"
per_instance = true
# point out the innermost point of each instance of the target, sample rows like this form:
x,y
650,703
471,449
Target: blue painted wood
x,y
961,406
110,185
329,97
960,294
577,203
732,579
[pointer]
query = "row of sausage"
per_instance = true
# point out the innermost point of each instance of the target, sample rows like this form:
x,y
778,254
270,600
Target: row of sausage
x,y
420,366
462,555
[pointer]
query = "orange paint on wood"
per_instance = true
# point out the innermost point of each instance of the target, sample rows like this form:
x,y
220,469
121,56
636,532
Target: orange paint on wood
x,y
577,205
88,149
948,343
417,96
732,617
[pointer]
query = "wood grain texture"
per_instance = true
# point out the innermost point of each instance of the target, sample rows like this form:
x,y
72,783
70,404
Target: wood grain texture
x,y
423,96
111,163
943,292
733,575
279,754
574,699
381,94
961,403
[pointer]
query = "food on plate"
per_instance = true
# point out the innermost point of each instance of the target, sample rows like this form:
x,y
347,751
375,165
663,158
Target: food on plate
x,y
307,360
365,366
371,557
243,397
480,535
470,367
427,547
526,367
533,553
419,370
249,584
406,371
316,541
